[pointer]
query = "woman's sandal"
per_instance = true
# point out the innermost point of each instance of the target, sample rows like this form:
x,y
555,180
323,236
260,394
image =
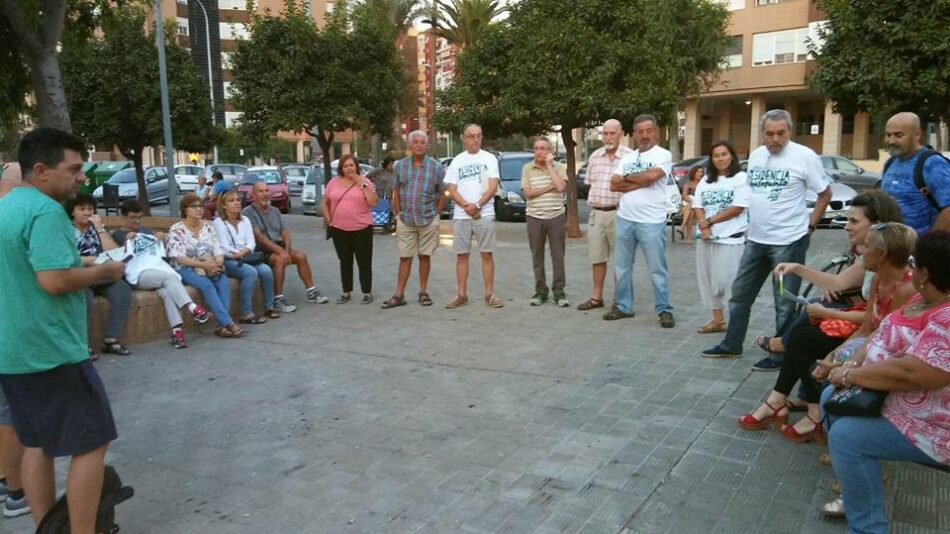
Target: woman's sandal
x,y
795,407
712,328
590,304
750,422
224,331
272,313
252,319
112,346
817,432
424,299
765,343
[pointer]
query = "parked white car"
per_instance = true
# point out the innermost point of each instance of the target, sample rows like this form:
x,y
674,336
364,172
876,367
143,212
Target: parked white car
x,y
187,176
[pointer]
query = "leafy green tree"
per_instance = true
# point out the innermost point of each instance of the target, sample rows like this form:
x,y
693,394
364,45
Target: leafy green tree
x,y
292,76
576,64
460,22
113,92
883,56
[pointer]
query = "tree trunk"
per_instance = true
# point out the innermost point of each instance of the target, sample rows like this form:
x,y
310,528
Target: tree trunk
x,y
48,90
140,180
674,135
325,140
376,141
573,225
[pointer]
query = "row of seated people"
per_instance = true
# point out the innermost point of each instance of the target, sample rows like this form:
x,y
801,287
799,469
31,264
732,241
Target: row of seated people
x,y
883,325
194,252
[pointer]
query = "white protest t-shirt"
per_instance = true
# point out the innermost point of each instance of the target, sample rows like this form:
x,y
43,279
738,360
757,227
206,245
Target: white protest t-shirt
x,y
646,205
717,197
777,213
148,252
471,173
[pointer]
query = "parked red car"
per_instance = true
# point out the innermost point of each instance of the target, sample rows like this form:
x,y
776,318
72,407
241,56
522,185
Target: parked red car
x,y
276,182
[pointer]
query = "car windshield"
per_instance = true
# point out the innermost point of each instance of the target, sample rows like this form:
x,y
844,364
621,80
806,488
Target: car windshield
x,y
268,177
510,168
126,176
228,169
295,171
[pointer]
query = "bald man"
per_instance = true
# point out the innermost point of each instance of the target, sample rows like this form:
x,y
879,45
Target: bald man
x,y
603,208
12,177
921,212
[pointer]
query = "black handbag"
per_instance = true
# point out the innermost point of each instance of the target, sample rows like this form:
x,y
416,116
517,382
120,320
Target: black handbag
x,y
855,401
253,258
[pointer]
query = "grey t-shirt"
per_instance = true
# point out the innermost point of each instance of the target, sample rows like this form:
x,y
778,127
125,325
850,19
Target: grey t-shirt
x,y
268,222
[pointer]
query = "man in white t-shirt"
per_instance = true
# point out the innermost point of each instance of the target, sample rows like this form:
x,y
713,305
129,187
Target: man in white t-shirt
x,y
472,180
641,221
780,172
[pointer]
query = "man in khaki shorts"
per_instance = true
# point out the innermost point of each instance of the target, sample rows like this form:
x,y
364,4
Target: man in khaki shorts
x,y
603,208
417,198
472,180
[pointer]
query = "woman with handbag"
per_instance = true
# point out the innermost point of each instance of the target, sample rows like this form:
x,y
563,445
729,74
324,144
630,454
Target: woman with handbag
x,y
908,360
850,286
241,261
886,251
196,254
346,207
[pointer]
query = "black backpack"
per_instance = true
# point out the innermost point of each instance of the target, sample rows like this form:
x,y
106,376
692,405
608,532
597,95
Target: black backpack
x,y
919,173
56,521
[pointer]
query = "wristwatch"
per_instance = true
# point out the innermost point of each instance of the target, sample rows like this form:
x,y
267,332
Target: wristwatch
x,y
478,206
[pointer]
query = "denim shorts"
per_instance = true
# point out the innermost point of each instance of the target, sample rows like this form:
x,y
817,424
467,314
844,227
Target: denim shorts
x,y
65,410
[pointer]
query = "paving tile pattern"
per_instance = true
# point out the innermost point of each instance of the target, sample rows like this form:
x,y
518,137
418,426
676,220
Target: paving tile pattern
x,y
353,419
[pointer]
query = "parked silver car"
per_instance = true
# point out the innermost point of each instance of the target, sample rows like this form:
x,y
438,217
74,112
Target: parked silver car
x,y
296,176
156,181
232,172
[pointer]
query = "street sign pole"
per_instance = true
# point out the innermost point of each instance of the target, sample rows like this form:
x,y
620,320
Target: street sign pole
x,y
166,113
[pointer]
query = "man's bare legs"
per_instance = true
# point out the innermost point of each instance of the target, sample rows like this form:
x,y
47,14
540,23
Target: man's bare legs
x,y
280,270
303,268
488,272
461,274
11,454
424,265
83,490
600,274
39,481
402,277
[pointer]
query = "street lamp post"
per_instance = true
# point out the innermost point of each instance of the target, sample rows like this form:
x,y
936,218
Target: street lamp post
x,y
214,120
166,112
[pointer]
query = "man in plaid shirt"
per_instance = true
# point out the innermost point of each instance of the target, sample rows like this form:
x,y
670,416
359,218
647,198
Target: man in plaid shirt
x,y
603,207
418,195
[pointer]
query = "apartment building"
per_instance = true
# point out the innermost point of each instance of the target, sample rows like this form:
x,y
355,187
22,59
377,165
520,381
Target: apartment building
x,y
768,65
212,29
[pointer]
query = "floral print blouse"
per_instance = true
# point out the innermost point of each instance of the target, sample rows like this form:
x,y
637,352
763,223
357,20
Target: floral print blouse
x,y
181,242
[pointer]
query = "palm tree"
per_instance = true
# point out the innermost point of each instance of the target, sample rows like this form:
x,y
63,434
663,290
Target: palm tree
x,y
400,13
460,21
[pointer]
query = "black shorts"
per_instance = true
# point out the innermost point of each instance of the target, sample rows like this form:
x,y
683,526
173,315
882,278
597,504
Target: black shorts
x,y
266,253
65,411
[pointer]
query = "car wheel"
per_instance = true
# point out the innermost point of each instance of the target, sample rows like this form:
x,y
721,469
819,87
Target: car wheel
x,y
501,210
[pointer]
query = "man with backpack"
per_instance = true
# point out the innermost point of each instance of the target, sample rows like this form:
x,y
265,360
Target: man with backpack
x,y
917,176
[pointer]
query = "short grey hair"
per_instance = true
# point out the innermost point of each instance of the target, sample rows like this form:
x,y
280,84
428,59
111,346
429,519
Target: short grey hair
x,y
776,115
644,118
469,126
417,133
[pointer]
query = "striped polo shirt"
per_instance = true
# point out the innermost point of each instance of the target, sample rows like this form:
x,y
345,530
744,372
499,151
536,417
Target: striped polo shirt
x,y
419,189
548,205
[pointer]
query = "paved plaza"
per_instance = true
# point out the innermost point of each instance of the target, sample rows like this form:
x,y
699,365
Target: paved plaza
x,y
349,418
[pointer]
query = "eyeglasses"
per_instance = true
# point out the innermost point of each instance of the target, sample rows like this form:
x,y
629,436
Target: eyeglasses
x,y
134,217
199,206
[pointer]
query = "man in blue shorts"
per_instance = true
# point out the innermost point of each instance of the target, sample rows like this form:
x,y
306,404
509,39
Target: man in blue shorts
x,y
57,402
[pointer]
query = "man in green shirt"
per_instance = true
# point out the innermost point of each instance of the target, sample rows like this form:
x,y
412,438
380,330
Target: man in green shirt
x,y
58,404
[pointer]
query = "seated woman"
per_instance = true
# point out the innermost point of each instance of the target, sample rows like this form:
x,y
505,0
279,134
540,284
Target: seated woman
x,y
909,357
92,239
198,257
887,249
149,271
237,238
842,289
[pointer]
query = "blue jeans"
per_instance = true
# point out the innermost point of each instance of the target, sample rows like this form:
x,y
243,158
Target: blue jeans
x,y
215,290
857,444
755,268
652,237
248,275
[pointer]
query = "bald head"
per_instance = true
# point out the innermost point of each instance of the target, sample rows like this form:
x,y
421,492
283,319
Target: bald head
x,y
260,194
902,134
612,132
11,178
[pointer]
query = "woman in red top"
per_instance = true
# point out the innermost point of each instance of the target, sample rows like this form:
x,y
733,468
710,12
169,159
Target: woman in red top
x,y
347,200
887,248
